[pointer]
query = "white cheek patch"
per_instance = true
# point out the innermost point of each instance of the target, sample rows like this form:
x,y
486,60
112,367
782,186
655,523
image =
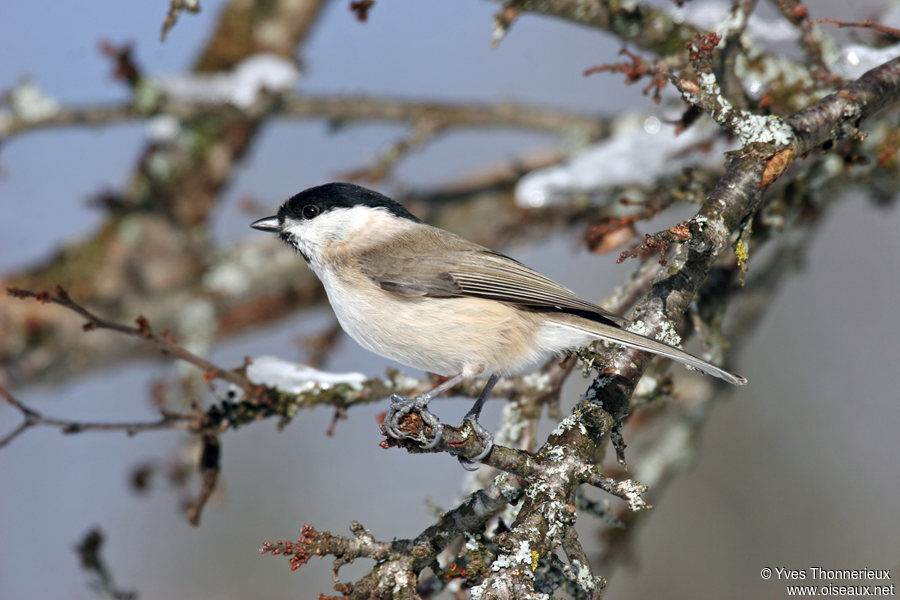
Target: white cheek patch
x,y
311,237
297,236
339,225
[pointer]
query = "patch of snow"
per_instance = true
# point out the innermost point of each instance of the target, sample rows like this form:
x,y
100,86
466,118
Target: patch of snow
x,y
294,378
241,87
635,154
163,128
30,103
856,59
717,16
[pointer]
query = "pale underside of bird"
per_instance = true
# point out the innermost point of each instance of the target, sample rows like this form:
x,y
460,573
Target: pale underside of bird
x,y
432,300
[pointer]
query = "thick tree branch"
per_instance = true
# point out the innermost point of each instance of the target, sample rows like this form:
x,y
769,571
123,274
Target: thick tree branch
x,y
646,27
734,200
667,435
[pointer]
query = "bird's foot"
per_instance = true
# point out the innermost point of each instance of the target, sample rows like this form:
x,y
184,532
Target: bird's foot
x,y
486,437
402,406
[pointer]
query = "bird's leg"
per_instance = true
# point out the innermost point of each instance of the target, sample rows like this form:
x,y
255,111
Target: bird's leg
x,y
403,405
472,418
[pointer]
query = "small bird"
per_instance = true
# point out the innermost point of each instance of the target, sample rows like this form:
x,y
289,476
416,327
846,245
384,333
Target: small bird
x,y
432,300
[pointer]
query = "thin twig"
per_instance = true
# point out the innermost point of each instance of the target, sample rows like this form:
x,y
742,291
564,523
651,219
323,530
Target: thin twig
x,y
32,418
176,7
811,37
891,31
209,475
423,132
143,330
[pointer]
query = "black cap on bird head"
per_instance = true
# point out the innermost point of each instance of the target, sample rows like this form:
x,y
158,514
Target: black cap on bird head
x,y
339,195
318,200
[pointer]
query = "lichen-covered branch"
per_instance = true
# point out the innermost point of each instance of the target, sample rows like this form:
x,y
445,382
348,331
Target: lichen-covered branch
x,y
644,26
706,94
667,435
735,199
400,562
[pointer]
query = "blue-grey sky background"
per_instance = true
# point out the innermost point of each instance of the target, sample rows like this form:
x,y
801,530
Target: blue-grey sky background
x,y
797,470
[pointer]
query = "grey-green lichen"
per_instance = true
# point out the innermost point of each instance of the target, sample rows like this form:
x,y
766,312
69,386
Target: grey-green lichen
x,y
580,574
749,128
665,332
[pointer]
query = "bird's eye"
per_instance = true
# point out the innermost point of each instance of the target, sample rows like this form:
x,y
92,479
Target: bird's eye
x,y
310,211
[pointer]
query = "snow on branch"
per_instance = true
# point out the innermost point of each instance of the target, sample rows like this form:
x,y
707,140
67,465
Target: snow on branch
x,y
241,87
643,141
293,378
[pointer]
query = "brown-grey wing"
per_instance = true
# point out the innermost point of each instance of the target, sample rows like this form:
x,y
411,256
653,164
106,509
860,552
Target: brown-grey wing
x,y
466,269
422,276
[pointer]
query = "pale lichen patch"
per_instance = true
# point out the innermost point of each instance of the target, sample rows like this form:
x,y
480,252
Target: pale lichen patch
x,y
749,128
632,492
668,334
539,382
513,425
520,557
567,424
581,574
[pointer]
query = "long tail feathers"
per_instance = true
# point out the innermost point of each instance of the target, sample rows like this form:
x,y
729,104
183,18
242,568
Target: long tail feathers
x,y
640,342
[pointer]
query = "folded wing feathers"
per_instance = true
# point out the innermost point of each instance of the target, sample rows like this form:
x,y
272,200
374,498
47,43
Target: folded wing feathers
x,y
476,272
500,277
